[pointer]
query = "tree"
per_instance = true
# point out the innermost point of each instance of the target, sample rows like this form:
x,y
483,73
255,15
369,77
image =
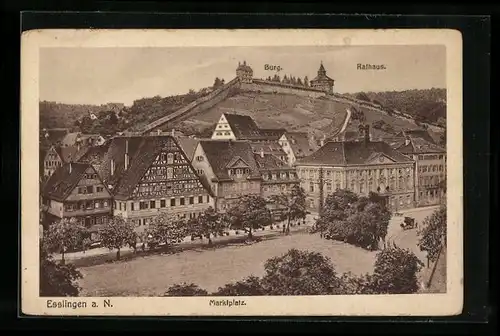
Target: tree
x,y
299,82
165,229
300,273
362,96
185,289
207,224
357,284
306,81
359,221
286,79
117,233
57,279
249,286
293,203
217,83
396,271
66,234
250,213
432,235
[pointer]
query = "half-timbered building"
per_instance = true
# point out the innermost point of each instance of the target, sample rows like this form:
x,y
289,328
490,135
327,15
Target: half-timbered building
x,y
151,174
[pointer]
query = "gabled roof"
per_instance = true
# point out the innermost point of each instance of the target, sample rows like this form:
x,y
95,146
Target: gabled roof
x,y
351,153
95,155
62,182
418,146
188,145
142,151
54,135
71,153
417,133
243,126
70,139
272,133
269,161
271,147
299,142
235,160
220,153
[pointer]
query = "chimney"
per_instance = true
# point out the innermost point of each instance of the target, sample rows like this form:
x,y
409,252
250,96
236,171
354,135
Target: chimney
x,y
173,132
262,152
126,155
112,168
70,166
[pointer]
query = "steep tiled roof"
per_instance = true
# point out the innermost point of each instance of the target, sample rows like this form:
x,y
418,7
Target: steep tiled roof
x,y
269,161
142,150
95,155
71,153
419,145
188,145
244,127
354,152
272,133
64,180
221,152
299,142
54,135
417,133
271,147
69,139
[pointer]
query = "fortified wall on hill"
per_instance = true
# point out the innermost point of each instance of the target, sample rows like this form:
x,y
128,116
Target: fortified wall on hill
x,y
319,87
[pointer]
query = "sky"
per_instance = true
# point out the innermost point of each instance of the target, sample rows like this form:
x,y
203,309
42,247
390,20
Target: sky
x,y
122,75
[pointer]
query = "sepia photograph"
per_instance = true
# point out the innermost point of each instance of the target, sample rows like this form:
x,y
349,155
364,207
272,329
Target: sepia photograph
x,y
266,172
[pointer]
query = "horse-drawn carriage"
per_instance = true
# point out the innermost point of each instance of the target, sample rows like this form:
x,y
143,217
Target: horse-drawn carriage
x,y
409,223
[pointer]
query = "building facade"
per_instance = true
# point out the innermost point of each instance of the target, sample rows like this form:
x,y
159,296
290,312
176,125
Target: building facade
x,y
277,176
229,167
361,167
430,171
75,190
149,175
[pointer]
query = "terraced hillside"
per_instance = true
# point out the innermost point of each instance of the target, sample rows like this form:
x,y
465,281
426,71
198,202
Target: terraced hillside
x,y
277,111
320,116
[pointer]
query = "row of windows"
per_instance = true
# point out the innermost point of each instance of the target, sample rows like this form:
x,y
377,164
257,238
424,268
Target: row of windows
x,y
430,157
147,221
431,168
430,194
238,171
51,164
283,187
86,205
90,189
429,180
90,176
369,186
170,158
283,176
314,173
154,204
223,133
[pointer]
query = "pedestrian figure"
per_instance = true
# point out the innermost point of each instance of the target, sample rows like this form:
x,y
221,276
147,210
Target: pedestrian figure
x,y
283,228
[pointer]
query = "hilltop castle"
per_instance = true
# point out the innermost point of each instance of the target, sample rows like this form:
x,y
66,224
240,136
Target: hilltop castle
x,y
321,82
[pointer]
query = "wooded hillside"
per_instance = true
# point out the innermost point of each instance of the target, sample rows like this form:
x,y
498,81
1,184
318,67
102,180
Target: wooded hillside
x,y
427,105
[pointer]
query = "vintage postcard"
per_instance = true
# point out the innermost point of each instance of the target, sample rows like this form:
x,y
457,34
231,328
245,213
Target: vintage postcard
x,y
242,172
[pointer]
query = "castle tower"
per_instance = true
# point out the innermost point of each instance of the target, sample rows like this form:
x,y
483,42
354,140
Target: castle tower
x,y
244,72
322,81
